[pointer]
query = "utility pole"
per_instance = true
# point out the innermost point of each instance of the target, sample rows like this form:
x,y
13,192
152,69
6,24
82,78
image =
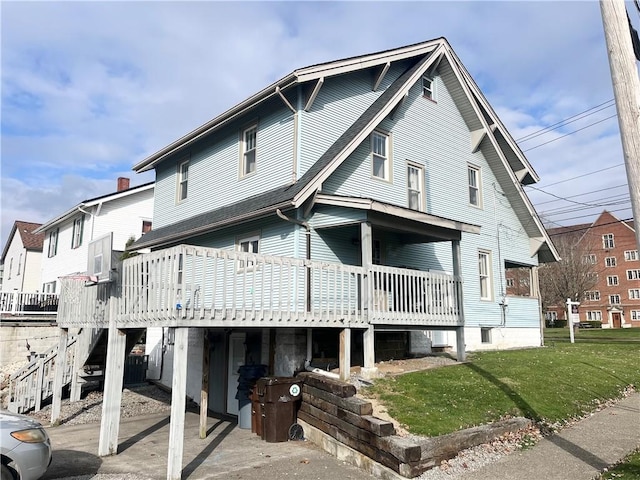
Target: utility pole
x,y
626,89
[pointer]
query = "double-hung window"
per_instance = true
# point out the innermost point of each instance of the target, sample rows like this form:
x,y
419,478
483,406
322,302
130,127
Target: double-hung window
x,y
248,245
428,87
183,180
630,255
78,227
592,295
610,261
589,259
607,241
612,280
473,174
53,243
614,299
595,315
634,294
380,156
484,271
249,144
635,314
415,186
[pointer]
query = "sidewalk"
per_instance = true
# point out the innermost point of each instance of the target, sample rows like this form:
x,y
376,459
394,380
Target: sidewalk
x,y
578,452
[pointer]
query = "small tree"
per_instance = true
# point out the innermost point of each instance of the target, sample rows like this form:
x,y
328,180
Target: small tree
x,y
127,253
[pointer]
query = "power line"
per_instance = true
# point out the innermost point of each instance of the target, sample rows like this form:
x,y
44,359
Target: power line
x,y
581,194
583,175
586,216
570,133
565,199
589,227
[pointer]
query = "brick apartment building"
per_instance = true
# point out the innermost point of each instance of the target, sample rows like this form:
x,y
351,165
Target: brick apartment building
x,y
609,246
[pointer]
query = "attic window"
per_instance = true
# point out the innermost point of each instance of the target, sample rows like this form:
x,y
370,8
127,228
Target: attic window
x,y
428,87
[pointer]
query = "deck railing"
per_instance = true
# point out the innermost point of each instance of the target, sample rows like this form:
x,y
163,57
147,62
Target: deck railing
x,y
24,303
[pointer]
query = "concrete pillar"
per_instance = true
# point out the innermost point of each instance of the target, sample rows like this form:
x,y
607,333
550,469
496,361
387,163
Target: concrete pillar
x,y
345,354
112,397
178,404
58,379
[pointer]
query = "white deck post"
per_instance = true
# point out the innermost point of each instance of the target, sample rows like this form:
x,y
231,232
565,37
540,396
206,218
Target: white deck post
x,y
345,354
58,379
204,389
369,369
39,385
112,398
457,271
178,404
76,385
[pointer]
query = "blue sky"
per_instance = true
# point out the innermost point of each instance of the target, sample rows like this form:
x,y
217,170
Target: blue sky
x,y
91,88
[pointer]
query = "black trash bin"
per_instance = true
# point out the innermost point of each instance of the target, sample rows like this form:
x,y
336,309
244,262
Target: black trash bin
x,y
247,377
279,401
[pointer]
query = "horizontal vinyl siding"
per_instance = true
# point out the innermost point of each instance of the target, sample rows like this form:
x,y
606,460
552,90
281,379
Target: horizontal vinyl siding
x,y
214,166
341,100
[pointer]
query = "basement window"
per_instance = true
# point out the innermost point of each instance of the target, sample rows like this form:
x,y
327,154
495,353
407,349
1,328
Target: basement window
x,y
485,335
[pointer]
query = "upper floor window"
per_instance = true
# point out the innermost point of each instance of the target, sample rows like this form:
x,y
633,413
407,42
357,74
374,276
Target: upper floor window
x,y
511,282
78,227
634,294
610,261
607,241
473,174
589,259
484,271
10,267
415,186
614,299
183,180
630,255
380,156
592,295
249,144
428,87
612,280
19,265
53,243
146,226
633,274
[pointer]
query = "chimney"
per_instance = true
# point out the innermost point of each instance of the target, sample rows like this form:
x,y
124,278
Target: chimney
x,y
123,183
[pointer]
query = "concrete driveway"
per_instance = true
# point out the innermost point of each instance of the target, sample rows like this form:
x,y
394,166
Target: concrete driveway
x,y
227,452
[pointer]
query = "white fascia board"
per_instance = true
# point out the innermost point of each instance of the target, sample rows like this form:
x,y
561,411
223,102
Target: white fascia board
x,y
364,133
222,119
60,218
463,80
375,206
365,61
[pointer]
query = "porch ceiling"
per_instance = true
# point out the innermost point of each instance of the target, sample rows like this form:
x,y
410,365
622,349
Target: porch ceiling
x,y
416,227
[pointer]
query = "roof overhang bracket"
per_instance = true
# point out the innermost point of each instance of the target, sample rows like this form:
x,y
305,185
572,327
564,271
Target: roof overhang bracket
x,y
477,136
434,66
378,79
284,99
310,204
521,174
535,244
314,94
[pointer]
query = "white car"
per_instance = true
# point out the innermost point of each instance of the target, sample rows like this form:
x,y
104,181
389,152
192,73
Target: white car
x,y
25,447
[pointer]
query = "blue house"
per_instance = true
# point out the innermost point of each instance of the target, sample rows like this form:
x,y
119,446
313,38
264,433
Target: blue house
x,y
344,203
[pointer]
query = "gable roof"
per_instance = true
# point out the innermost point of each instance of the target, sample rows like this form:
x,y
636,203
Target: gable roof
x,y
582,229
30,241
94,201
481,119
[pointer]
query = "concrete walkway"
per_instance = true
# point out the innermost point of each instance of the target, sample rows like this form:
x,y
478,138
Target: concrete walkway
x,y
578,452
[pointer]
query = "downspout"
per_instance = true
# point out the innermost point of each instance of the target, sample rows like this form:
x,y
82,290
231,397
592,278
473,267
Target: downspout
x,y
93,218
308,253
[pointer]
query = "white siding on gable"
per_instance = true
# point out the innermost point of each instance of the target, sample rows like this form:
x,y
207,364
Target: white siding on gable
x,y
214,167
21,268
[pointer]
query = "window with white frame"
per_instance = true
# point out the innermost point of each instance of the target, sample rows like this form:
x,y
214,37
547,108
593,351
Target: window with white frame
x,y
631,255
595,315
484,272
49,287
183,180
593,276
485,335
249,145
146,226
19,265
589,259
633,274
510,282
473,174
614,299
428,87
250,244
380,160
607,240
634,294
76,237
551,315
592,295
612,280
53,243
10,268
635,314
415,186
610,261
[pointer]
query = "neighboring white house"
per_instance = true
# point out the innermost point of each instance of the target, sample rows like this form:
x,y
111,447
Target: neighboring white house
x,y
21,258
125,214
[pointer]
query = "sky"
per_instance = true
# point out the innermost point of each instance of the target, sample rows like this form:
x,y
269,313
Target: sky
x,y
91,88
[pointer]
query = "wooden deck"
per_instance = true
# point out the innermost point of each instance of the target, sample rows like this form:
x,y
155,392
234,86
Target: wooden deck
x,y
206,287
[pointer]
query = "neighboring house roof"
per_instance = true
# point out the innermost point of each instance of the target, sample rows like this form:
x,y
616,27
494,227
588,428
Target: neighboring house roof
x,y
482,120
30,241
581,229
92,202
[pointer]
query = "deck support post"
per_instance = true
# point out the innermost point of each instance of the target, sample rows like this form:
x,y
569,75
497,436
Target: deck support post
x,y
309,345
80,354
369,369
457,272
178,404
204,390
113,383
39,385
58,379
345,354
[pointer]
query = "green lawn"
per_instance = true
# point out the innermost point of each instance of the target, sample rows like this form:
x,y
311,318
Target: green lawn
x,y
549,384
628,469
